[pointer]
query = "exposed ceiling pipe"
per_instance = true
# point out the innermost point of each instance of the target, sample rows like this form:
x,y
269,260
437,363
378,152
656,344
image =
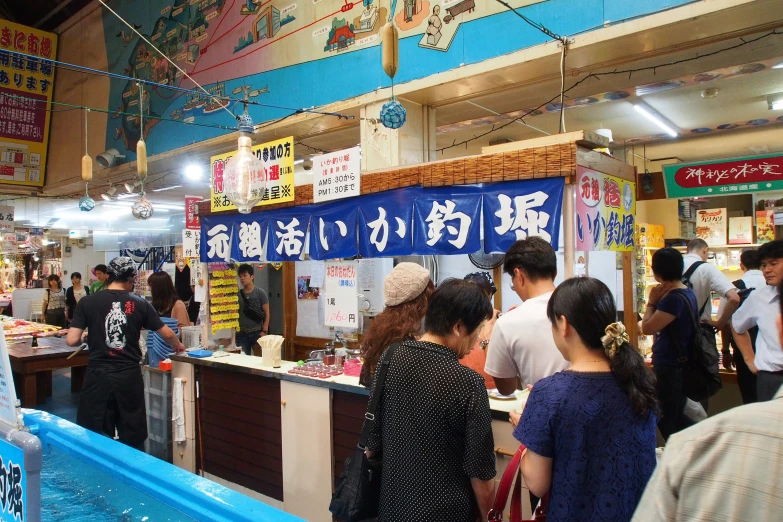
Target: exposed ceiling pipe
x,y
53,12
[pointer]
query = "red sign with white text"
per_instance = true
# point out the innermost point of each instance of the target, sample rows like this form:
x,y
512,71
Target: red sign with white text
x,y
192,221
720,177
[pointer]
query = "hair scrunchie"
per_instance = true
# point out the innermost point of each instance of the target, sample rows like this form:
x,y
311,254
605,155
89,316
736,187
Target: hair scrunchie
x,y
614,338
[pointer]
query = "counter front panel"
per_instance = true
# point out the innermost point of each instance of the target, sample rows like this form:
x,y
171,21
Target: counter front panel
x,y
240,429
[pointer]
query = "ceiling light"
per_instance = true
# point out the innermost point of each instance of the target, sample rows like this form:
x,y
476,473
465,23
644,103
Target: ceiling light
x,y
778,65
657,119
109,193
126,196
775,102
109,158
297,162
131,187
194,171
166,188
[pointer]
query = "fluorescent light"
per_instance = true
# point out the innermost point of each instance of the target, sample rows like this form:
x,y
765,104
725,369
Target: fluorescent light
x,y
658,120
126,196
777,106
193,171
297,162
167,188
778,65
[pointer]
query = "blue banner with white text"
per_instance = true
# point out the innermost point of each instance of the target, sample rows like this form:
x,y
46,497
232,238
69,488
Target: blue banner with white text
x,y
413,220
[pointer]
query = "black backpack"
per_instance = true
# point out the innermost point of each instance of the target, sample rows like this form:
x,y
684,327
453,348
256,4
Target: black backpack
x,y
701,371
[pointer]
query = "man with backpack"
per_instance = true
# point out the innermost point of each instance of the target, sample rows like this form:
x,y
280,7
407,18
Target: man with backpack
x,y
705,278
760,310
753,279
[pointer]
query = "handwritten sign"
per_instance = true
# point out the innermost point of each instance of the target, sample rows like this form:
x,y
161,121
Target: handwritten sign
x,y
711,225
337,175
191,243
341,305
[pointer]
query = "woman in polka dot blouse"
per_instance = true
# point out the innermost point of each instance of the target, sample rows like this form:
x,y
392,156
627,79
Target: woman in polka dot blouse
x,y
590,430
433,424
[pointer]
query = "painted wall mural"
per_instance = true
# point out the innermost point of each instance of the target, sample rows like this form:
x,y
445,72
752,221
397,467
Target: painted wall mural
x,y
305,53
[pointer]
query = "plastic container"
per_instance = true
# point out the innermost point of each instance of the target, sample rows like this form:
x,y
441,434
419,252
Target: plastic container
x,y
352,368
191,336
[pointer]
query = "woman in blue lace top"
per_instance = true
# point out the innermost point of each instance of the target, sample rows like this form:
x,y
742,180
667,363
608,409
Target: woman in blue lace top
x,y
590,430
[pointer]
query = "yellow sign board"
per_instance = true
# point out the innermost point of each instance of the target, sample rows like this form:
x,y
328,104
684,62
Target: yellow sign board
x,y
26,88
278,158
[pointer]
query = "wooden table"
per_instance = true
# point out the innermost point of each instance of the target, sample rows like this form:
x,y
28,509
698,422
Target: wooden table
x,y
32,368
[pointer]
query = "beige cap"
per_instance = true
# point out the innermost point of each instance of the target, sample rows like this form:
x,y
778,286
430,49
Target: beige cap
x,y
405,283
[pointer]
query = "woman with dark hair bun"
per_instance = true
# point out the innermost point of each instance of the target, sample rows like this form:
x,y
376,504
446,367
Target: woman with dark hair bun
x,y
590,430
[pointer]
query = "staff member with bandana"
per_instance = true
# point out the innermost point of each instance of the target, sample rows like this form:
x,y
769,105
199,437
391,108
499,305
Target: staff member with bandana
x,y
113,393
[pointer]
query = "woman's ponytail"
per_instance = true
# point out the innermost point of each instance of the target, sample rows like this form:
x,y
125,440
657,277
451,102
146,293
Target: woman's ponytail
x,y
630,370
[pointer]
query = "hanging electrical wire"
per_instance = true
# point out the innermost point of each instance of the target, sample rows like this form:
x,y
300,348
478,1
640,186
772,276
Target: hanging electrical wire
x,y
615,72
564,43
536,25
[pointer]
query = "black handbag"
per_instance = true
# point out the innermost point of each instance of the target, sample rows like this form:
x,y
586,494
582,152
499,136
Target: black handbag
x,y
358,492
253,314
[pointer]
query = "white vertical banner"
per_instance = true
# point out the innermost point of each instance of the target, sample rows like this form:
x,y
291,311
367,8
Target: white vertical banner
x,y
191,242
6,219
341,304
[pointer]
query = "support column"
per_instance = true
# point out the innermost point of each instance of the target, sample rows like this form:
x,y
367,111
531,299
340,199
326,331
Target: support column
x,y
569,226
413,143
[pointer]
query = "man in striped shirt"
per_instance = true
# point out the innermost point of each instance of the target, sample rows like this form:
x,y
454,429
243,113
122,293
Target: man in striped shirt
x,y
724,468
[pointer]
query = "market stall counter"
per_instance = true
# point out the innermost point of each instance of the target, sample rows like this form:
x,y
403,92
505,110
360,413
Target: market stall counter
x,y
32,367
280,437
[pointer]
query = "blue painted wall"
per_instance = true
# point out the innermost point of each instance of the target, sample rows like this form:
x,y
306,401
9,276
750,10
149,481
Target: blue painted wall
x,y
339,76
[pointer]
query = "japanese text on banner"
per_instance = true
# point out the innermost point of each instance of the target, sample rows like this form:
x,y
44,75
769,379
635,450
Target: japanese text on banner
x,y
278,158
191,243
26,76
605,212
192,220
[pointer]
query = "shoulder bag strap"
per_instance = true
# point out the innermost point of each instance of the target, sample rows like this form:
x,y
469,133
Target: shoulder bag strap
x,y
683,358
686,277
376,394
739,283
244,297
504,487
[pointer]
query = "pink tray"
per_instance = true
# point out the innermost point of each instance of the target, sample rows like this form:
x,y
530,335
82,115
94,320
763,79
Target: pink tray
x,y
352,368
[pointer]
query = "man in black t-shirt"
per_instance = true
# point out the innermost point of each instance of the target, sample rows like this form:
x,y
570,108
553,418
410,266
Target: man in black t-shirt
x,y
113,393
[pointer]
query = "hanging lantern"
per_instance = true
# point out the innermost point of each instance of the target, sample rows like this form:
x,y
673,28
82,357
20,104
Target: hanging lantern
x,y
142,209
86,168
245,175
393,114
86,203
141,147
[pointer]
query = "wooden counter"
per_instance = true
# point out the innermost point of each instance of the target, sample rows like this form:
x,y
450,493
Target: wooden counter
x,y
32,367
283,438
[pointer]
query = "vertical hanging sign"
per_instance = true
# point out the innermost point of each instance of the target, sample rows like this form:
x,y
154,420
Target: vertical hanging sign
x,y
192,221
605,212
26,76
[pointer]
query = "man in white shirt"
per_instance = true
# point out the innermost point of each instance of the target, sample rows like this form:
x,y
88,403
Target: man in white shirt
x,y
761,309
752,279
723,468
521,346
708,278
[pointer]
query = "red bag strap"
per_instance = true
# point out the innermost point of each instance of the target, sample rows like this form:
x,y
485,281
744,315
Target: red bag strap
x,y
504,488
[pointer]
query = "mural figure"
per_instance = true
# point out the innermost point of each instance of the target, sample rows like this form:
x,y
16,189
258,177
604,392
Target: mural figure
x,y
433,27
126,38
410,10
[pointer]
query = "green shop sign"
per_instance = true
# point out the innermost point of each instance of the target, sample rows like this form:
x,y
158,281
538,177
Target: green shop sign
x,y
724,177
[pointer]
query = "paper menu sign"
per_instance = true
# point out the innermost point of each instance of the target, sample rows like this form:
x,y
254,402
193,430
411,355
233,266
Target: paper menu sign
x,y
341,302
711,225
740,230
